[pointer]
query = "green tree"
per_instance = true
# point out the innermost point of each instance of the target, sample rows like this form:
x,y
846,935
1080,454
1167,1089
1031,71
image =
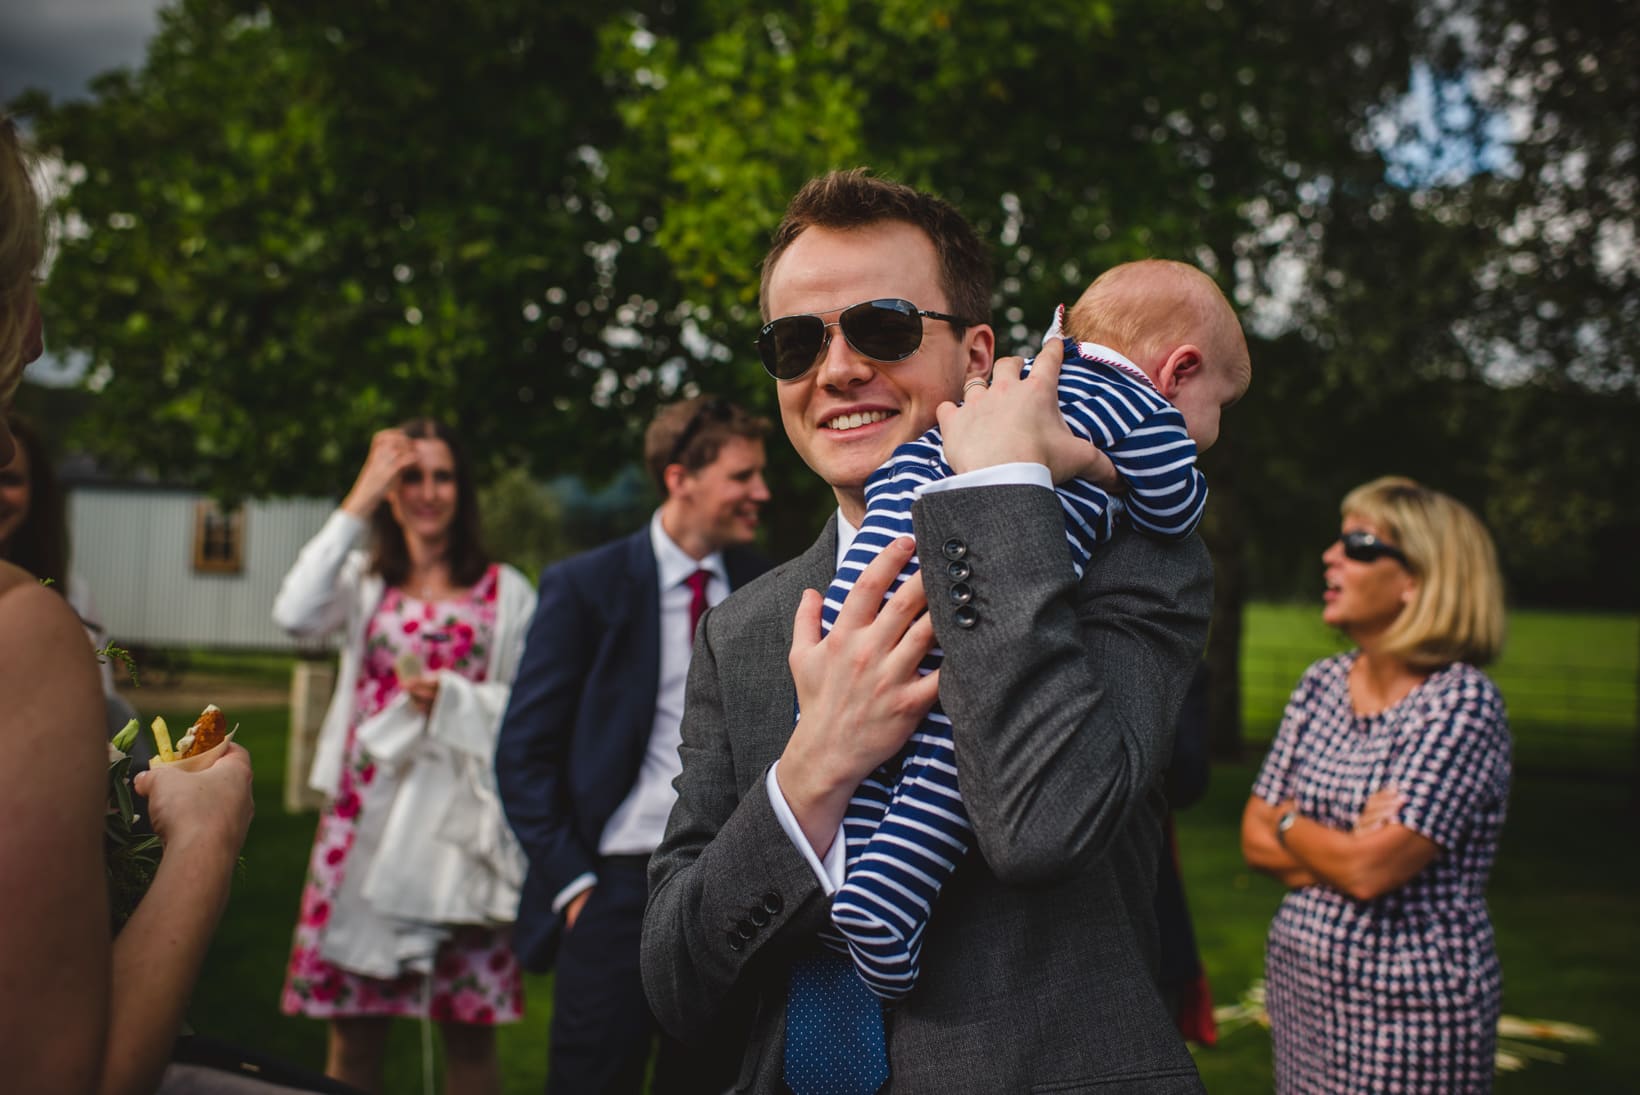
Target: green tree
x,y
541,220
295,224
1284,147
1075,136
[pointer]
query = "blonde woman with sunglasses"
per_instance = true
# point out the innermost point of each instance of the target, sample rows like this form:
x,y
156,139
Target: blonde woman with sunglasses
x,y
1380,805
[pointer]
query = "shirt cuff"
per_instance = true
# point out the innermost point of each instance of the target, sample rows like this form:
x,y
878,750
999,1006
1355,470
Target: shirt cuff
x,y
1023,473
578,886
829,870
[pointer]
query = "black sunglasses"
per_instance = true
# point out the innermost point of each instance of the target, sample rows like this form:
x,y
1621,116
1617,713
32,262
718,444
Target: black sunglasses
x,y
1364,547
713,410
884,330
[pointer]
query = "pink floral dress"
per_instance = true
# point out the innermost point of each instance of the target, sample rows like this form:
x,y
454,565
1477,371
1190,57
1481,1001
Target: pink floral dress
x,y
475,977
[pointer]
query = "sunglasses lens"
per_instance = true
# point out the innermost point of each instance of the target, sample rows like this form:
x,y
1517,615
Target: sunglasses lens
x,y
1360,552
1364,547
790,344
883,330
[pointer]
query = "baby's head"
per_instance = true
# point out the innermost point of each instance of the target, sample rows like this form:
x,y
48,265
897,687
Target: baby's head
x,y
1172,321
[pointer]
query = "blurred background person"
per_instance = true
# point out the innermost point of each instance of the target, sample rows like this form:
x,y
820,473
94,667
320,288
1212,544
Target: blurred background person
x,y
589,749
1380,806
414,875
34,536
84,1012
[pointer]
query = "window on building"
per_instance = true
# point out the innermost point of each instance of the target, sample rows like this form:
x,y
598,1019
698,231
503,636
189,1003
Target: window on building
x,y
219,539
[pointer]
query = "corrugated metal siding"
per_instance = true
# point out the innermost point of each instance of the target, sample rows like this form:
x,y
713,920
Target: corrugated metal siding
x,y
135,551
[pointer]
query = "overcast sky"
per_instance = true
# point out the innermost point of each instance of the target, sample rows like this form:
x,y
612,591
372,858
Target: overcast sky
x,y
59,45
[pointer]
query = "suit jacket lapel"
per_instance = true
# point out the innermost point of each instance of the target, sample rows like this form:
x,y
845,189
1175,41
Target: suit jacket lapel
x,y
762,686
816,567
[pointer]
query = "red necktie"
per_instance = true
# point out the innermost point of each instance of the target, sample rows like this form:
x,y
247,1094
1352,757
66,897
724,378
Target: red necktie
x,y
697,598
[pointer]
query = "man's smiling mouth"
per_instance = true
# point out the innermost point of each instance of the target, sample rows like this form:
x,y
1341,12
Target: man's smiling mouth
x,y
856,420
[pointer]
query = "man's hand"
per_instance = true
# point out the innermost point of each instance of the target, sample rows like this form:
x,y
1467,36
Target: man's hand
x,y
572,911
1017,420
858,690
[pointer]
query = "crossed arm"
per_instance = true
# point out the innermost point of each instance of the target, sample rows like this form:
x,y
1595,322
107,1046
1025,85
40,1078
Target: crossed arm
x,y
1376,856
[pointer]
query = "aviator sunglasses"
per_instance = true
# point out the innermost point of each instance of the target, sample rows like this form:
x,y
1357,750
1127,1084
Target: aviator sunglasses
x,y
1364,547
884,330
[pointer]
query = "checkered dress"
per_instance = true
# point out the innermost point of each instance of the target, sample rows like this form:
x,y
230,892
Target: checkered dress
x,y
1400,994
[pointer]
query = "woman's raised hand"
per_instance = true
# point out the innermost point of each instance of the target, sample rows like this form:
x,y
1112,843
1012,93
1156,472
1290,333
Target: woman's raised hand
x,y
391,451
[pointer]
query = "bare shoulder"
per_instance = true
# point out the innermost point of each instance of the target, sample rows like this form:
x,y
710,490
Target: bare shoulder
x,y
47,669
32,611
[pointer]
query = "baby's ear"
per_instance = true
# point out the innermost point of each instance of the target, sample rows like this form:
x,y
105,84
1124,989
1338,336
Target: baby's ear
x,y
1182,363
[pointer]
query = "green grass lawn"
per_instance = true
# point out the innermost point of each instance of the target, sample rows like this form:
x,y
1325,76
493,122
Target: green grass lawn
x,y
1568,680
1565,897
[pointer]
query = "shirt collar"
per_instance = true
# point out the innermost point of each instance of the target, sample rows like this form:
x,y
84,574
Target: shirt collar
x,y
845,536
1094,351
674,563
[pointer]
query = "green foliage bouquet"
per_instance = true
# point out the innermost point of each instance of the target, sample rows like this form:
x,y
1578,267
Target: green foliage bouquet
x,y
130,855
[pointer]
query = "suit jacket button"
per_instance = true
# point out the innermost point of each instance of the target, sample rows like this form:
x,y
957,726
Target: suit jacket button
x,y
772,903
735,943
759,915
959,570
955,548
962,593
745,930
967,616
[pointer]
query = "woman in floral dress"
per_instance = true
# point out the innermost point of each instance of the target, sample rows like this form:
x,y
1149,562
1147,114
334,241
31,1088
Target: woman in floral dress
x,y
413,878
1380,806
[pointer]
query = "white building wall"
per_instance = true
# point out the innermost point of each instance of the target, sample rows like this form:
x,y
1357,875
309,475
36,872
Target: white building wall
x,y
134,549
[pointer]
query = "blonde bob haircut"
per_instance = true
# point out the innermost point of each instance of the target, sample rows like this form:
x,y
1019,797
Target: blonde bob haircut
x,y
22,240
1456,613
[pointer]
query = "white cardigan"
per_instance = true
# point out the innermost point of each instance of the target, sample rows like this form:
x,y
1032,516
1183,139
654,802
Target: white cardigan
x,y
433,847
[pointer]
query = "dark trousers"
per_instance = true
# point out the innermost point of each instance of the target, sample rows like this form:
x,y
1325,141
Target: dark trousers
x,y
602,1029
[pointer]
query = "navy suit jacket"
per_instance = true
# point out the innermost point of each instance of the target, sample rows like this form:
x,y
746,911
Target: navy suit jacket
x,y
580,716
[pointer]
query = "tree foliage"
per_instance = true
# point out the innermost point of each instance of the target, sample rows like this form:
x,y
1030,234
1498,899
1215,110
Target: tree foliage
x,y
541,219
288,229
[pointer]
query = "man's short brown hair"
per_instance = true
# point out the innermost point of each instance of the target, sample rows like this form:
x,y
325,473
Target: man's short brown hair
x,y
841,200
691,431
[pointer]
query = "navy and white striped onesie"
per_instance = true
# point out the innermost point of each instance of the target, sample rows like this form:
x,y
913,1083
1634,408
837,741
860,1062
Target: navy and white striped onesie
x,y
906,828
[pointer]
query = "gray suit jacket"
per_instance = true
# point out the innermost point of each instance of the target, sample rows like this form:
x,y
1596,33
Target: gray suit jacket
x,y
1038,965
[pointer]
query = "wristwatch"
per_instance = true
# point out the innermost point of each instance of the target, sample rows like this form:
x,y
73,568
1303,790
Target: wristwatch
x,y
1283,825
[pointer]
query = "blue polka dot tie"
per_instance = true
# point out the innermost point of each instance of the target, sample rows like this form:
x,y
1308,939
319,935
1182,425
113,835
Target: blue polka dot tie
x,y
834,1030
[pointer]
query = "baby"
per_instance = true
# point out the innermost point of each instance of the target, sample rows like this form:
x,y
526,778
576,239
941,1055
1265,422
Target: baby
x,y
1153,354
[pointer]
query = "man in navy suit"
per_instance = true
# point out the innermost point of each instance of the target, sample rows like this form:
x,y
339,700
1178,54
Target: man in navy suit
x,y
589,746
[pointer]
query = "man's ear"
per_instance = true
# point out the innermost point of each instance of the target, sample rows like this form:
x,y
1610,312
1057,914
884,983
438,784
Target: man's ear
x,y
1182,364
675,476
981,345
